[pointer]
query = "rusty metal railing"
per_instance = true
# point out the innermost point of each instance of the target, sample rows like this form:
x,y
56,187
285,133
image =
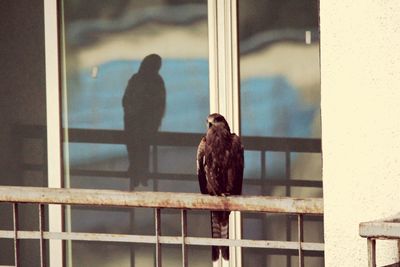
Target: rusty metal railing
x,y
388,229
263,145
157,200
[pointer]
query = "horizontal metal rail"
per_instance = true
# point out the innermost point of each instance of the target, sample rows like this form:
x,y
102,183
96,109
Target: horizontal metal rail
x,y
182,177
380,229
159,200
384,229
171,240
95,136
94,197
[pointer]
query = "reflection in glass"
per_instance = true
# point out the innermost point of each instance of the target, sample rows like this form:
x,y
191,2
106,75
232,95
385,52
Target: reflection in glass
x,y
23,144
144,107
280,102
135,84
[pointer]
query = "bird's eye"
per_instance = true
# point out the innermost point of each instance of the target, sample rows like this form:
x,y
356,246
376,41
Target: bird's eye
x,y
209,124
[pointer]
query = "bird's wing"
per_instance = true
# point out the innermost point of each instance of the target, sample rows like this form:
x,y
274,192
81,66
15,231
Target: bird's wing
x,y
235,172
201,174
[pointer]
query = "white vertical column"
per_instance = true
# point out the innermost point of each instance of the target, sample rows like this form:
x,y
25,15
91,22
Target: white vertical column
x,y
213,55
224,85
53,124
223,60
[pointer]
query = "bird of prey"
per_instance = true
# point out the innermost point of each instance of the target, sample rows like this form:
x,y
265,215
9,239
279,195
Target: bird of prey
x,y
220,166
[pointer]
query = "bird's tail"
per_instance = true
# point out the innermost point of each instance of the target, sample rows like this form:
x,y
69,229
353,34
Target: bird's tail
x,y
220,229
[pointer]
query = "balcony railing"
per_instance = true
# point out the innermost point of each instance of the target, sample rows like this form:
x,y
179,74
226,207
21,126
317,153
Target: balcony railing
x,y
18,196
261,145
385,229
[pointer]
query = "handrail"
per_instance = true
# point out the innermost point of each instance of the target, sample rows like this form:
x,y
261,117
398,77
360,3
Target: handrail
x,y
309,206
388,228
17,195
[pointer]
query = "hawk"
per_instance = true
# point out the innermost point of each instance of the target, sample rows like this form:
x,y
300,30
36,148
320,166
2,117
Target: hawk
x,y
220,166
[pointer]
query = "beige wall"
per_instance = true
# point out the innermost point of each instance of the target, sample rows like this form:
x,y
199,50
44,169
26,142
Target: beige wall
x,y
360,57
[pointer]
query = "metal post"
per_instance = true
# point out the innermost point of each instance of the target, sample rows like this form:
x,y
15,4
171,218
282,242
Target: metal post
x,y
132,227
300,238
288,193
16,241
42,242
371,252
184,234
264,192
158,233
155,167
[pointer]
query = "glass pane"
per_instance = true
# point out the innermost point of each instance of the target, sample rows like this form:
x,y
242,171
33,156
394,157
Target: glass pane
x,y
23,149
135,92
280,102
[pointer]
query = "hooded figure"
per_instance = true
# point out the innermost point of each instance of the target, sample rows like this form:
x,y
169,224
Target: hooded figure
x,y
144,107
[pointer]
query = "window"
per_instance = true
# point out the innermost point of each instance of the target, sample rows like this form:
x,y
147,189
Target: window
x,y
104,43
135,87
23,146
280,117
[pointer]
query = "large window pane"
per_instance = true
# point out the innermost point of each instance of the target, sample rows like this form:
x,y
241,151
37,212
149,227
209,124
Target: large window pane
x,y
135,95
280,102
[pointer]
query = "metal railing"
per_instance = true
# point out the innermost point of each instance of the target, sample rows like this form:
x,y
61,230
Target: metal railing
x,y
388,229
118,137
17,196
262,145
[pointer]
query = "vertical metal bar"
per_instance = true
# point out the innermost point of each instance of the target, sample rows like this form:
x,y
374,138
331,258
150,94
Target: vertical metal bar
x,y
157,218
184,234
132,228
16,241
42,243
132,223
300,238
288,193
155,167
263,171
371,252
398,248
264,192
287,172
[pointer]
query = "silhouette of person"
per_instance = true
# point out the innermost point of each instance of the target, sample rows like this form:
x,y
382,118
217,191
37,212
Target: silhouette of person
x,y
144,107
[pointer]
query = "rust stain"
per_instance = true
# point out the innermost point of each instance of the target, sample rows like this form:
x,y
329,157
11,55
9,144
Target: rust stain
x,y
161,200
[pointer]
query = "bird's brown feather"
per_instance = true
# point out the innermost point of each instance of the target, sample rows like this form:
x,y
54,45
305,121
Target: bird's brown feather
x,y
220,164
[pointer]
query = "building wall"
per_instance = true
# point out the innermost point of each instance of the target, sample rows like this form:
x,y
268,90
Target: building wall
x,y
22,101
360,64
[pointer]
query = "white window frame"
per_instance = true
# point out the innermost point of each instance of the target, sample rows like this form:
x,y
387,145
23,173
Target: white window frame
x,y
224,99
53,115
224,86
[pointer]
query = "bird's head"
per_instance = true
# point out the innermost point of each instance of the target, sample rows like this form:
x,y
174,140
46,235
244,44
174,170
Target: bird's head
x,y
216,119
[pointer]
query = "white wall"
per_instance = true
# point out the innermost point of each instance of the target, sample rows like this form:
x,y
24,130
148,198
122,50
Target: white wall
x,y
360,64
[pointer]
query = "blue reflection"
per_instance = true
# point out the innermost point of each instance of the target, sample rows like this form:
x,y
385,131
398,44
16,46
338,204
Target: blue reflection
x,y
271,106
95,103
